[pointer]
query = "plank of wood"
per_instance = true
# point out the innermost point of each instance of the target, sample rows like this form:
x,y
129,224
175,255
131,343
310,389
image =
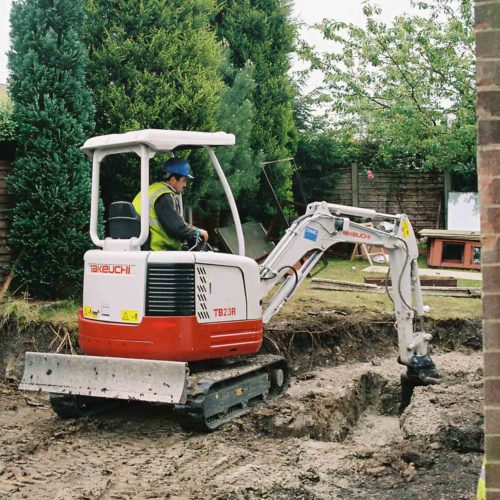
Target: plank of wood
x,y
434,281
348,286
454,273
445,234
355,185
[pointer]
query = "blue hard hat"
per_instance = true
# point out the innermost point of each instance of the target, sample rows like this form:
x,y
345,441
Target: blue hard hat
x,y
177,166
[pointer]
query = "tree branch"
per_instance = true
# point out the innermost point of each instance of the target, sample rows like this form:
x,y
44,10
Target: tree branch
x,y
405,78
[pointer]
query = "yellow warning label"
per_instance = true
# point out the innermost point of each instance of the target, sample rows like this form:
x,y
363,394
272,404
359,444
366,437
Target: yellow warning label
x,y
88,313
405,229
130,315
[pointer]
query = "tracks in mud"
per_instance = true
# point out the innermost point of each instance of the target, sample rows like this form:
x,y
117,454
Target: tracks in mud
x,y
335,435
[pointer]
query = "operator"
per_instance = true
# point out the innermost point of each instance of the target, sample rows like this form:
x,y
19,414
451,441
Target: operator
x,y
166,222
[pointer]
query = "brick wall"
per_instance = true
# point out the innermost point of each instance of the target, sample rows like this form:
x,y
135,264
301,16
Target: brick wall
x,y
488,113
417,194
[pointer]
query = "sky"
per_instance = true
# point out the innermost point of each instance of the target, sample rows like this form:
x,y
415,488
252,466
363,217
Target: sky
x,y
350,11
309,11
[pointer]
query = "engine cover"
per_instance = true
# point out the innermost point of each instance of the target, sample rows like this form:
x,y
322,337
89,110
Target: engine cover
x,y
177,306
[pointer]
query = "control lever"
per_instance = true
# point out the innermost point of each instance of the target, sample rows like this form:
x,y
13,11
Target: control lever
x,y
201,246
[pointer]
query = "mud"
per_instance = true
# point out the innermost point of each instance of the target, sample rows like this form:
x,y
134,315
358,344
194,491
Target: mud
x,y
15,340
336,434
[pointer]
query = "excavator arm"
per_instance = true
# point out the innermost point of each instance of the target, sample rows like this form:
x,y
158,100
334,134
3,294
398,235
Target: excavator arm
x,y
324,225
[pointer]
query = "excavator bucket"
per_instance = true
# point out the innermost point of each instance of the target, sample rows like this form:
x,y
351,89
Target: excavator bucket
x,y
104,377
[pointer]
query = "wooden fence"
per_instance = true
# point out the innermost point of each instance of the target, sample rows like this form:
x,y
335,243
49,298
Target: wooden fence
x,y
419,195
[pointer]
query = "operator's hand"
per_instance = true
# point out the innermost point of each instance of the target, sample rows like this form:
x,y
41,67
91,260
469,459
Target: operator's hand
x,y
204,235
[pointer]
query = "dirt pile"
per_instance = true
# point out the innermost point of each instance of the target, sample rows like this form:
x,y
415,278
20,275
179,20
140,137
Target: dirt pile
x,y
16,340
449,415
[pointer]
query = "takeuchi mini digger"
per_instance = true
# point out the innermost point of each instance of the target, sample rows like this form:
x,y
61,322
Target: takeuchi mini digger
x,y
186,328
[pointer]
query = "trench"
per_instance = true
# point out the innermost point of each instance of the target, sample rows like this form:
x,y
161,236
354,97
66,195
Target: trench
x,y
324,341
331,340
332,418
345,372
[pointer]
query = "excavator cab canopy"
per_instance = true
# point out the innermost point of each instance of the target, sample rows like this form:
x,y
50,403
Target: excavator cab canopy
x,y
146,144
159,141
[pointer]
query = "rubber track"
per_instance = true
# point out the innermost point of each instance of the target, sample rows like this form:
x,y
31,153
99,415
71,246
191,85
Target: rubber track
x,y
203,384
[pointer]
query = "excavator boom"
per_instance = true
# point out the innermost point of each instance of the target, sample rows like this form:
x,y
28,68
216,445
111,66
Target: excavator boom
x,y
325,224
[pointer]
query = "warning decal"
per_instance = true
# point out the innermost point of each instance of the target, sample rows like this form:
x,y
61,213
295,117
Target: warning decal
x,y
130,315
405,229
88,313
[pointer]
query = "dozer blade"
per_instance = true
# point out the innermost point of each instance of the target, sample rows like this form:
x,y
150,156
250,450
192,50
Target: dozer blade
x,y
103,377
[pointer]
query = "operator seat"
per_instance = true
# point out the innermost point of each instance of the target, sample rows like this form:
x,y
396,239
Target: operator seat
x,y
124,221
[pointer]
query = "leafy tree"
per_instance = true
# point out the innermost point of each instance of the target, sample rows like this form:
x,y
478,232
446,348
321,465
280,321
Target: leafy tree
x,y
262,32
50,181
407,87
153,64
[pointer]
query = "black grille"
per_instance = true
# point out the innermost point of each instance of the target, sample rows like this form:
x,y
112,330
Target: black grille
x,y
170,290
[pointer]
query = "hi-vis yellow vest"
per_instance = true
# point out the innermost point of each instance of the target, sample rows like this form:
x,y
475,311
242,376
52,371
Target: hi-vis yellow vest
x,y
160,240
481,485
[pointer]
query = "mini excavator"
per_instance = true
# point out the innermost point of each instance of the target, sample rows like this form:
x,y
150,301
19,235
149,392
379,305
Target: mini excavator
x,y
186,328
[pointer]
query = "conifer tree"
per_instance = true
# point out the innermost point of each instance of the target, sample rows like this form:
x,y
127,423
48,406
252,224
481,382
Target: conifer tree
x,y
50,181
262,32
152,64
241,164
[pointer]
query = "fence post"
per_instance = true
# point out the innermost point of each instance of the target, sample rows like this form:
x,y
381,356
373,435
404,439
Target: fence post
x,y
355,185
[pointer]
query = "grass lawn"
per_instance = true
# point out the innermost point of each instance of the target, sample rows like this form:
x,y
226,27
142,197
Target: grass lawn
x,y
308,299
344,269
24,313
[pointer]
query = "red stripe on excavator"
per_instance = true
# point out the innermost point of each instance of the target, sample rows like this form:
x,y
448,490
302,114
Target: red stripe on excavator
x,y
172,338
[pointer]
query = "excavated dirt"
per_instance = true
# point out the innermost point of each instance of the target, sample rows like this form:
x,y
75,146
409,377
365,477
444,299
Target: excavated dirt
x,y
336,434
